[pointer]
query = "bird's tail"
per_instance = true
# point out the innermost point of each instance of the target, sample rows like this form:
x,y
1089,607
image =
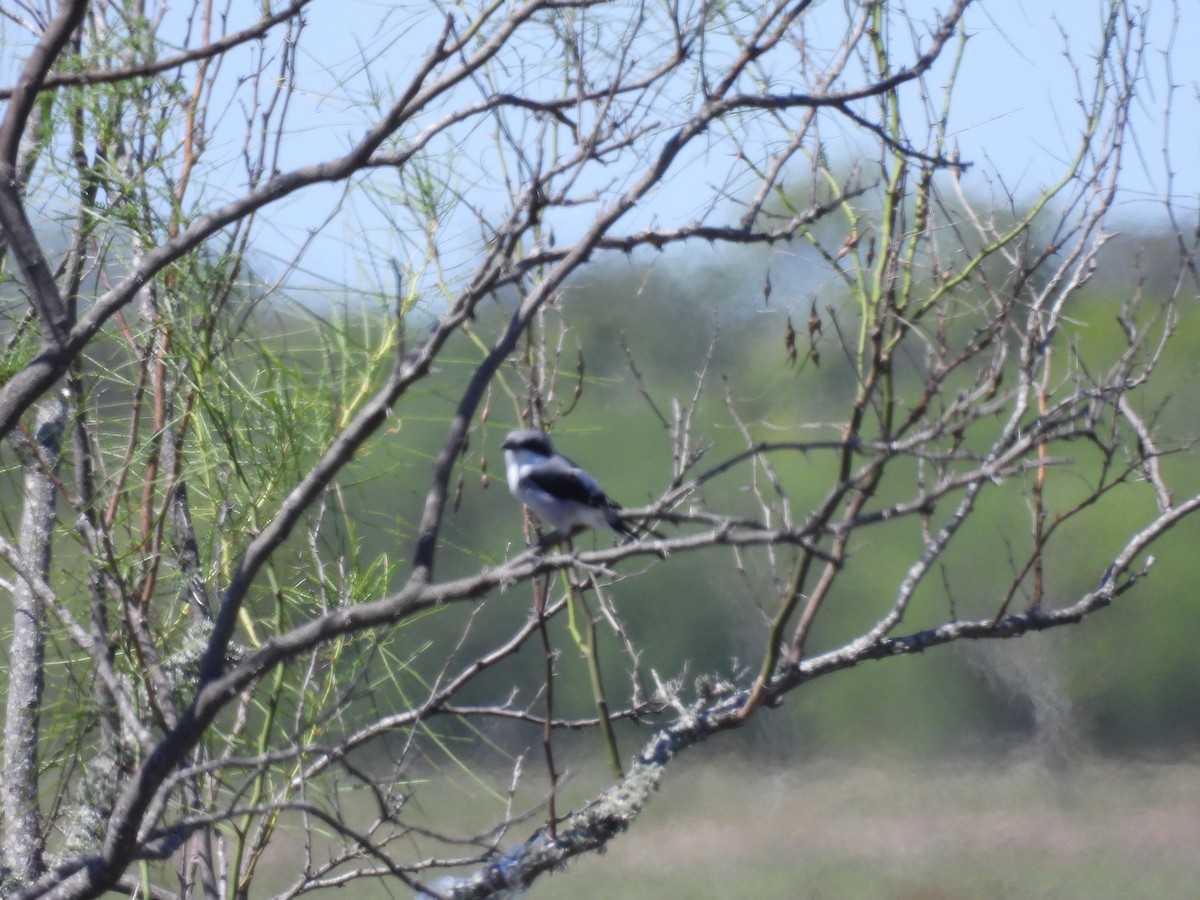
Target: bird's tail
x,y
623,528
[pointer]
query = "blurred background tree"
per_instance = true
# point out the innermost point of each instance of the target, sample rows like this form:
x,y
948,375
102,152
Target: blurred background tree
x,y
268,312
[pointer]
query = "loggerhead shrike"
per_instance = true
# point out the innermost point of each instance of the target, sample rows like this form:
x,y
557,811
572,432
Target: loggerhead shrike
x,y
556,490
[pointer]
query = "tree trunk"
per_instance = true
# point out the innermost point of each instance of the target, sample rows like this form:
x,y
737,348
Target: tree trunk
x,y
26,676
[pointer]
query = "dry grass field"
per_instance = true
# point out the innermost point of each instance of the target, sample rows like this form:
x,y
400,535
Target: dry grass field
x,y
829,830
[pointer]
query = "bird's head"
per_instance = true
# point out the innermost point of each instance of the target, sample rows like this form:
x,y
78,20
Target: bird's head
x,y
529,440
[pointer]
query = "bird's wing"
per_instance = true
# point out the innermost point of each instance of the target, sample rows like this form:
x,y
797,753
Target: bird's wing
x,y
561,478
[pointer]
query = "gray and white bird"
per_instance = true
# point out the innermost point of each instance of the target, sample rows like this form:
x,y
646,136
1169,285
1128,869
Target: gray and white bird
x,y
556,490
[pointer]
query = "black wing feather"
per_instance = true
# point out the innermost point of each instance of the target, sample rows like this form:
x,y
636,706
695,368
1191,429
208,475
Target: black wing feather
x,y
567,485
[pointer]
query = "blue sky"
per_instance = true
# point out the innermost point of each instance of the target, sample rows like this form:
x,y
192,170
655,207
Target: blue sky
x,y
1015,112
1022,84
1014,116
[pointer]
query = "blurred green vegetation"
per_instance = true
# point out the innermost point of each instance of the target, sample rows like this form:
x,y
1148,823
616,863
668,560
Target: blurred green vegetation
x,y
1124,681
